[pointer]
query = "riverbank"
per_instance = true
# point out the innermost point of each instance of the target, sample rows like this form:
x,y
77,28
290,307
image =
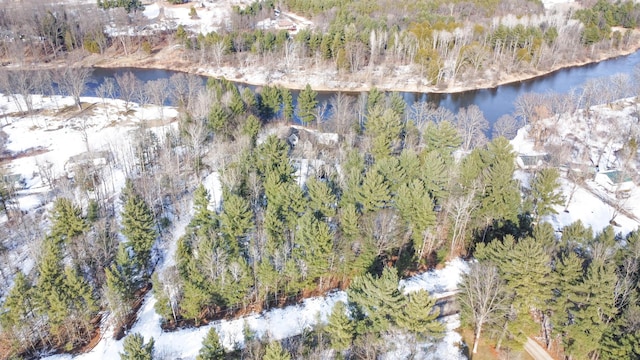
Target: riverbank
x,y
173,57
323,78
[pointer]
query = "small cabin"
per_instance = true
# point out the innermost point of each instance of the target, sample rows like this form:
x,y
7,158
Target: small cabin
x,y
614,181
13,181
531,162
87,160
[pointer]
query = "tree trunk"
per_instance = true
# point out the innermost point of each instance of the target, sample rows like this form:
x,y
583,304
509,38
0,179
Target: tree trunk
x,y
477,339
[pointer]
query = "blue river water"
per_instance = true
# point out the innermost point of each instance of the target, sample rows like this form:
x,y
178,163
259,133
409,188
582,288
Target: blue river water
x,y
493,102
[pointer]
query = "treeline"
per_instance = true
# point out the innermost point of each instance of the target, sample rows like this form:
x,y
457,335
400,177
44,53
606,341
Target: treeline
x,y
599,19
447,43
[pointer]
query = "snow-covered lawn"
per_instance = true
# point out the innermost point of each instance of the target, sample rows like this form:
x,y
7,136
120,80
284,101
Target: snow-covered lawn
x,y
594,141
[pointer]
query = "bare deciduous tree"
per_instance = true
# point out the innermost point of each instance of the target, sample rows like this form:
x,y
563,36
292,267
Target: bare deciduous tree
x,y
158,93
506,126
106,90
472,126
460,209
342,112
482,298
72,82
128,85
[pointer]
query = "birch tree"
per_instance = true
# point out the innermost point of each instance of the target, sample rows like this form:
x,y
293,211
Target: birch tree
x,y
483,298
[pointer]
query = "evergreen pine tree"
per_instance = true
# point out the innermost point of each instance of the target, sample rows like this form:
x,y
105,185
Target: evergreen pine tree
x,y
272,157
340,328
384,128
307,103
375,99
236,105
136,349
592,311
211,347
287,103
322,201
269,101
575,236
218,119
194,299
397,104
416,209
349,221
16,313
274,351
418,315
315,243
546,193
51,285
120,284
236,220
138,227
374,192
251,128
501,198
565,282
442,138
375,302
391,171
410,164
435,175
203,216
67,221
163,306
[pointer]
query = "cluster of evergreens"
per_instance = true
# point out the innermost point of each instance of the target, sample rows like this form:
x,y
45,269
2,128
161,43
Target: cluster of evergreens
x,y
129,5
57,305
599,19
300,218
580,291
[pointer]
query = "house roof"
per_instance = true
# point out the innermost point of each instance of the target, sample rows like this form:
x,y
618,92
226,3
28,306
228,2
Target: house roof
x,y
616,176
533,160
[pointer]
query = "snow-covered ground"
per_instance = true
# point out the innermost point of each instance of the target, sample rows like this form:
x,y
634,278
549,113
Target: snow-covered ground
x,y
56,133
56,140
595,141
279,323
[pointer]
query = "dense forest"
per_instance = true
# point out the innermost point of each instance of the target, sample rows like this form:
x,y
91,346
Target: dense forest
x,y
374,191
354,193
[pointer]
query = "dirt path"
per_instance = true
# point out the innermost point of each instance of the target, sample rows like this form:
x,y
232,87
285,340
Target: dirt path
x,y
536,351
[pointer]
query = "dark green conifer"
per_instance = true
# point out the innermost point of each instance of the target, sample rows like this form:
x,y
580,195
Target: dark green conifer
x,y
136,349
211,348
307,103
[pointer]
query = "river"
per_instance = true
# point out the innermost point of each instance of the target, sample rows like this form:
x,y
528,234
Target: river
x,y
493,102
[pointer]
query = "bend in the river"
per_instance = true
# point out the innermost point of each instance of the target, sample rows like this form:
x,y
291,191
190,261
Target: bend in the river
x,y
493,102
